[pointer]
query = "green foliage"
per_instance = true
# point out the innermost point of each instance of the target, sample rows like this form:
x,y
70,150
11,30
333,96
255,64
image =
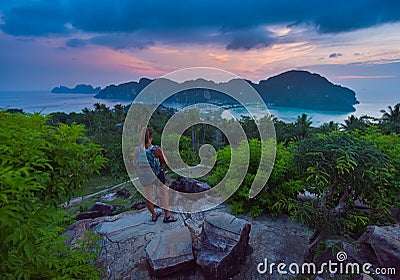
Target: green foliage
x,y
354,123
303,125
249,127
292,132
328,127
389,144
222,164
184,151
390,121
40,165
104,127
50,258
340,169
277,197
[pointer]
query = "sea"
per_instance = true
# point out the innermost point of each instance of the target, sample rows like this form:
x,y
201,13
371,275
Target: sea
x,y
46,102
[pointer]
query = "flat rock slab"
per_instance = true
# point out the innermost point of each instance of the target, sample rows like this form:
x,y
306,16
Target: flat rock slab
x,y
170,252
126,235
224,242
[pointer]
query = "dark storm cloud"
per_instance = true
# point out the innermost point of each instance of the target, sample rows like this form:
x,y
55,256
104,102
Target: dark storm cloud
x,y
114,41
253,39
121,41
141,40
208,21
76,43
357,14
41,18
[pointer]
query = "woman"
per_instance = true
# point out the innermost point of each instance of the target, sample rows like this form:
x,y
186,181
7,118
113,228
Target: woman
x,y
151,173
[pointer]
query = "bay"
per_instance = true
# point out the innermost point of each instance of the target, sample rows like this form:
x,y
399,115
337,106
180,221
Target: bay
x,y
46,102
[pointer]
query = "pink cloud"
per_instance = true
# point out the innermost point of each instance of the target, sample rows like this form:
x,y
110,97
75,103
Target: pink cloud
x,y
220,58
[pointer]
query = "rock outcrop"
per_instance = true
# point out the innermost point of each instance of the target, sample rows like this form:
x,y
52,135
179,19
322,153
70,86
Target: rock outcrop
x,y
126,235
138,205
104,208
380,246
123,193
98,210
224,242
222,250
170,252
189,185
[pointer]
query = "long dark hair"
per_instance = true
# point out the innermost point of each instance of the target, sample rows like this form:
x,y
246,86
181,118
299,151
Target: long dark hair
x,y
147,136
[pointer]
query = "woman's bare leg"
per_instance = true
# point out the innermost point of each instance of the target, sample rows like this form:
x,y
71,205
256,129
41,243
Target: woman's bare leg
x,y
164,199
148,194
168,218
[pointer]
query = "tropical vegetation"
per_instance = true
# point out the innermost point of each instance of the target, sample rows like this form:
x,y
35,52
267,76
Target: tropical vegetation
x,y
336,178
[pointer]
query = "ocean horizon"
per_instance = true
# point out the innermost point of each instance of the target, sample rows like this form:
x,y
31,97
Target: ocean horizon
x,y
46,102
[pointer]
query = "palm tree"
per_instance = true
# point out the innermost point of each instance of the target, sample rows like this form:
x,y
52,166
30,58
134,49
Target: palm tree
x,y
100,107
87,117
353,123
393,115
303,125
328,127
391,119
119,113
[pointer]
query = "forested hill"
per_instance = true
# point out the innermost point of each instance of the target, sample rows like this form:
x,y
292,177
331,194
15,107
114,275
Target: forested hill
x,y
305,90
297,89
81,89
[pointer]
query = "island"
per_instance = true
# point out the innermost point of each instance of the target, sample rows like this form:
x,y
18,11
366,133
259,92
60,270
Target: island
x,y
294,89
78,89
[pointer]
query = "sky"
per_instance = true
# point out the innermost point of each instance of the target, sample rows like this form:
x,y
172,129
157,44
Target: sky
x,y
45,43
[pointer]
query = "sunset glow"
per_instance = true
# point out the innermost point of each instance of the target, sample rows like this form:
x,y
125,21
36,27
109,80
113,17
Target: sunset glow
x,y
70,49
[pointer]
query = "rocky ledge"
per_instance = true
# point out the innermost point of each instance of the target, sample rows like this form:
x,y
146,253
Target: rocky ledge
x,y
206,245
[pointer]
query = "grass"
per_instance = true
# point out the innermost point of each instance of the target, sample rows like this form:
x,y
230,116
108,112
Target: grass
x,y
98,183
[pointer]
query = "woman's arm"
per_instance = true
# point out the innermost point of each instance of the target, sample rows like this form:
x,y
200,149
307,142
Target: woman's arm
x,y
160,155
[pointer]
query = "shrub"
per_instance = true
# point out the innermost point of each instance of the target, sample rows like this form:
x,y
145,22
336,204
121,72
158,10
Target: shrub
x,y
41,165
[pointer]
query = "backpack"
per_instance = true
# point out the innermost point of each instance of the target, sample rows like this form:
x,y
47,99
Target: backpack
x,y
146,157
153,161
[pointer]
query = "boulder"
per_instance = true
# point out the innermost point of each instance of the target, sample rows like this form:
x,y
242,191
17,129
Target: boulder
x,y
396,214
189,185
126,235
224,242
88,215
195,227
124,193
380,246
170,251
104,208
98,210
138,205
